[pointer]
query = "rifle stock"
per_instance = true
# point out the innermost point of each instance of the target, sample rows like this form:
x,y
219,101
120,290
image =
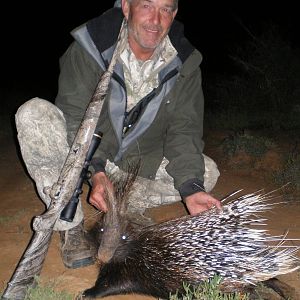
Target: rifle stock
x,y
31,262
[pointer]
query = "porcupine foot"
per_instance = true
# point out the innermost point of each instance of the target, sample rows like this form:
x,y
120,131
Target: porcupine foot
x,y
87,294
91,293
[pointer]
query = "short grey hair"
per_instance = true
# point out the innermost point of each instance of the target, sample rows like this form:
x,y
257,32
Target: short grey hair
x,y
119,4
175,4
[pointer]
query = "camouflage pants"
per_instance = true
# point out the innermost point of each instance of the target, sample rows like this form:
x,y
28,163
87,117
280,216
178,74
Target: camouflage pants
x,y
42,138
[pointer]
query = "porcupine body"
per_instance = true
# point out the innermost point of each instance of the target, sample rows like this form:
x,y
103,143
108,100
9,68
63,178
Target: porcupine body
x,y
157,259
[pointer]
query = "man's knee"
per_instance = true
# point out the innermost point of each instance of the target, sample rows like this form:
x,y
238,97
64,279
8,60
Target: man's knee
x,y
211,174
38,109
41,129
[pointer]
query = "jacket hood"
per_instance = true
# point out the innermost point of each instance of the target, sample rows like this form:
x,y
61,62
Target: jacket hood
x,y
104,31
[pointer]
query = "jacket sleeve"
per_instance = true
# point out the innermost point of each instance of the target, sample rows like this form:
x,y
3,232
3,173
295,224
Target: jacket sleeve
x,y
183,144
79,75
77,81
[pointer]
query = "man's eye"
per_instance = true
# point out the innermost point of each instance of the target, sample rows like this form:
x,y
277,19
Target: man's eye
x,y
167,10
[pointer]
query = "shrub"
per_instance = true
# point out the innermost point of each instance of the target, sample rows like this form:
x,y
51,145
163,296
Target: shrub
x,y
263,91
254,146
46,292
290,174
208,290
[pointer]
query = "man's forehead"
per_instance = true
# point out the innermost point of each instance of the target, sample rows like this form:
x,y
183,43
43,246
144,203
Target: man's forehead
x,y
162,2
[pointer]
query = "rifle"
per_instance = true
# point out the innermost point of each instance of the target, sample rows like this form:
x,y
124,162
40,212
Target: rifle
x,y
30,265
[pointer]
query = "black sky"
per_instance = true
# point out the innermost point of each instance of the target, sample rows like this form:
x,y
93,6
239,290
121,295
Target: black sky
x,y
34,36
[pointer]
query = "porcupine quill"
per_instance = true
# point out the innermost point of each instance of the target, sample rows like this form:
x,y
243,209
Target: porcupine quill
x,y
157,259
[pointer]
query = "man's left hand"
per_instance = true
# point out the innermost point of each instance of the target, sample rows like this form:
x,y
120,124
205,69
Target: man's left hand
x,y
200,202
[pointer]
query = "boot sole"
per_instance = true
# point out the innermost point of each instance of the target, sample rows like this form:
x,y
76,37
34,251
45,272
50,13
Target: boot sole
x,y
80,263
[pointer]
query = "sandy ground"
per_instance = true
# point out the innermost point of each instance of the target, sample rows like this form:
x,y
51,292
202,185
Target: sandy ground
x,y
19,204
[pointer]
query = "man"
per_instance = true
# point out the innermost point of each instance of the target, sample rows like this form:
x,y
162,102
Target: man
x,y
153,112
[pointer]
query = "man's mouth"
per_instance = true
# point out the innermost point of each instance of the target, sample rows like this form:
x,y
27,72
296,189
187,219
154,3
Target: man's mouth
x,y
152,29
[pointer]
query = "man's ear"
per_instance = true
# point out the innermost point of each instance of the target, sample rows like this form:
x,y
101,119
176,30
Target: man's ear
x,y
174,13
125,8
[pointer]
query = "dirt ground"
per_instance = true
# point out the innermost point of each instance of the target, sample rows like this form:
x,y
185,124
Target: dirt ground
x,y
19,204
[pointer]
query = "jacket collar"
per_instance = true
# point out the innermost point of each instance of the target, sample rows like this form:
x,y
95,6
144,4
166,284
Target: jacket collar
x,y
112,19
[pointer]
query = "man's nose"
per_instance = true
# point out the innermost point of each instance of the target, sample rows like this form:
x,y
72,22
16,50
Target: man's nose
x,y
155,17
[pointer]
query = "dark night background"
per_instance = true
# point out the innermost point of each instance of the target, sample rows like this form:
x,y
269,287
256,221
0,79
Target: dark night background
x,y
34,36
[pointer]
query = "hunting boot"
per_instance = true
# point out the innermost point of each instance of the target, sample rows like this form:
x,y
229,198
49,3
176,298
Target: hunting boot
x,y
76,251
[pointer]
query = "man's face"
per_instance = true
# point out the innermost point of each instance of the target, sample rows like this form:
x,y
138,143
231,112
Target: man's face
x,y
149,22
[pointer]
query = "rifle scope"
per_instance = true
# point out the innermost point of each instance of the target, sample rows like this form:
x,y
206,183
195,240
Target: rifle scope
x,y
69,211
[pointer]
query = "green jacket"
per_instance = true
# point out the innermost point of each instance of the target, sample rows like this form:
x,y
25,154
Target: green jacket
x,y
170,125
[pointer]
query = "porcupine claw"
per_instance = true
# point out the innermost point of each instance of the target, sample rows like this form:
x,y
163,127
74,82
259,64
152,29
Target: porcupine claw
x,y
80,296
84,295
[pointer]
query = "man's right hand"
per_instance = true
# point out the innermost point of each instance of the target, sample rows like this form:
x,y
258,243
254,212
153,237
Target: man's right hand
x,y
100,183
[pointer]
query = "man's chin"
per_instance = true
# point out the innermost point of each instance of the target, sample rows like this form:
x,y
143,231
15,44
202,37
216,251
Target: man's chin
x,y
150,45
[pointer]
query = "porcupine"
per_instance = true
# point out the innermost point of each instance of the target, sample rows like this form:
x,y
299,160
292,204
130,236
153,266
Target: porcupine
x,y
157,259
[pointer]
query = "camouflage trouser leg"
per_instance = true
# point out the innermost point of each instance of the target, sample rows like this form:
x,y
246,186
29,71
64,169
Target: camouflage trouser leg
x,y
43,141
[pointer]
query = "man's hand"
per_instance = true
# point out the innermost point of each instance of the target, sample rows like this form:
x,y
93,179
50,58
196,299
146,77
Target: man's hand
x,y
100,184
200,202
